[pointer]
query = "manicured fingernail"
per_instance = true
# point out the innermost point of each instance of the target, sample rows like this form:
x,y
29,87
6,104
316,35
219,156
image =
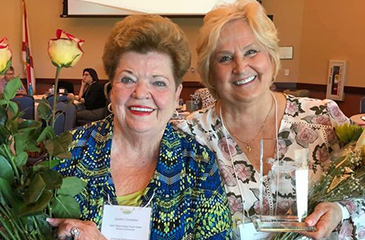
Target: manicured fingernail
x,y
49,220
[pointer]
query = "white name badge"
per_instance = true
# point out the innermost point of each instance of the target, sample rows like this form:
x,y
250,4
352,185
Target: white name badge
x,y
126,223
248,232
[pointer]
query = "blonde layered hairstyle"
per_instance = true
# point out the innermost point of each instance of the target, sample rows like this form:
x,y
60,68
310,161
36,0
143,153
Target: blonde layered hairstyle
x,y
147,33
254,15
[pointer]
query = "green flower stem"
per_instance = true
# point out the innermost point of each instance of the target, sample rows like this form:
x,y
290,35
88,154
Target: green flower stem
x,y
5,225
12,162
4,236
50,209
55,94
10,215
36,226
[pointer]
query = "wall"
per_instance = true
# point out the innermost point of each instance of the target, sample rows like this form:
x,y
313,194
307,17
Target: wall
x,y
318,30
333,29
44,19
288,18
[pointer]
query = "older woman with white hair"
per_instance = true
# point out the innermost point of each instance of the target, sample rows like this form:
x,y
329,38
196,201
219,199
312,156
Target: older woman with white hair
x,y
238,60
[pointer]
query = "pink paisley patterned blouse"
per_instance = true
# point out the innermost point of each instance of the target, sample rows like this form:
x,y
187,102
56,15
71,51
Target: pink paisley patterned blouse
x,y
306,123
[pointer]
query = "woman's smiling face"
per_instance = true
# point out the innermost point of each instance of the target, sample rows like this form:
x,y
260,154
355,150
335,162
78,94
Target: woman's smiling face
x,y
144,95
240,68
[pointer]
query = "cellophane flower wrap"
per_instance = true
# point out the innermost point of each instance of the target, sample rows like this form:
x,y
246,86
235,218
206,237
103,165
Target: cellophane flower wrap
x,y
344,179
30,193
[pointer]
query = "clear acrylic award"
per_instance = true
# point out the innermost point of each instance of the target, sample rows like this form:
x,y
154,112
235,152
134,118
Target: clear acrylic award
x,y
283,190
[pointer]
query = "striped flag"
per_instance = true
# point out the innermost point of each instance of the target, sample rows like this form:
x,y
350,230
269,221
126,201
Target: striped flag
x,y
27,58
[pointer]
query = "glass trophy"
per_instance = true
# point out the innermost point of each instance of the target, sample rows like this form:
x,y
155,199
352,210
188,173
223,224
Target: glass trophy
x,y
283,196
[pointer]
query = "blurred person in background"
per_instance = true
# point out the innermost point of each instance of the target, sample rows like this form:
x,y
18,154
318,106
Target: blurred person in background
x,y
9,75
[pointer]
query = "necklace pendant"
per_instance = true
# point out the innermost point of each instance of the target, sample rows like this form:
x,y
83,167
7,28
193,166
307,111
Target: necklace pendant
x,y
248,148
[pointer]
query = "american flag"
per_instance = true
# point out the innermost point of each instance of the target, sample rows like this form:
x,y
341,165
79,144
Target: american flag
x,y
27,57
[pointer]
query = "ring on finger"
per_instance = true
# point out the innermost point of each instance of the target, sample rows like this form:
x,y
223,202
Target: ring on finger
x,y
75,232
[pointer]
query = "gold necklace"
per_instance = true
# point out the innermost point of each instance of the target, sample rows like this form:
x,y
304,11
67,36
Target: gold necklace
x,y
248,144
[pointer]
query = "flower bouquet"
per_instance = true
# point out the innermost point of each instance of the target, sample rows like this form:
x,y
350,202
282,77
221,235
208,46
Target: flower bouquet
x,y
29,194
345,177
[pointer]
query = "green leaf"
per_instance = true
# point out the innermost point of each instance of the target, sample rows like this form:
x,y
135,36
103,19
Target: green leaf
x,y
348,132
44,227
21,159
4,135
47,133
3,116
31,137
11,88
71,186
284,135
6,171
44,109
65,207
38,207
12,125
35,190
58,147
46,164
19,143
8,193
14,107
28,125
52,179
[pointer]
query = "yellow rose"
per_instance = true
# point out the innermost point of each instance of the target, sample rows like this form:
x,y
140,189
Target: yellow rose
x,y
65,50
5,56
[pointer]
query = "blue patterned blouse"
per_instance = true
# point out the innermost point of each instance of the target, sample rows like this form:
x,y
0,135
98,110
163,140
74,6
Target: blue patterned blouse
x,y
189,201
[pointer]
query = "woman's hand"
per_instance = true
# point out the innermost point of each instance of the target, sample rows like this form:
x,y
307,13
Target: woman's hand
x,y
71,96
325,218
87,229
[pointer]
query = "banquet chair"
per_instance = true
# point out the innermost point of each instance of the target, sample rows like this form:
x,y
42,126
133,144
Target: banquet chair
x,y
26,104
60,122
362,105
61,98
70,114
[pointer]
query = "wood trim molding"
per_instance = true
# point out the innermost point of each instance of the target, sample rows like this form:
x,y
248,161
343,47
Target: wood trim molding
x,y
317,87
51,80
192,84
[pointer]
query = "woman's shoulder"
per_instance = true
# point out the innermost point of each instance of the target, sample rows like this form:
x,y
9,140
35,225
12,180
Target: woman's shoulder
x,y
97,130
198,122
193,162
188,148
313,110
96,87
89,150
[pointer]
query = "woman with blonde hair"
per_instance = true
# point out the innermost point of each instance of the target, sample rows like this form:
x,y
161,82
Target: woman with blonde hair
x,y
238,60
134,157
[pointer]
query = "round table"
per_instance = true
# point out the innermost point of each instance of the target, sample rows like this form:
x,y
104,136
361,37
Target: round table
x,y
357,119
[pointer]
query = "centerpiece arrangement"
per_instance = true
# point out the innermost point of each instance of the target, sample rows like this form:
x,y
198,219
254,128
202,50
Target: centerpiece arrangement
x,y
29,194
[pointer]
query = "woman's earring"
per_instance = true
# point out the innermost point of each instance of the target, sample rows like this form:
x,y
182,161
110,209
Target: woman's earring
x,y
110,108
